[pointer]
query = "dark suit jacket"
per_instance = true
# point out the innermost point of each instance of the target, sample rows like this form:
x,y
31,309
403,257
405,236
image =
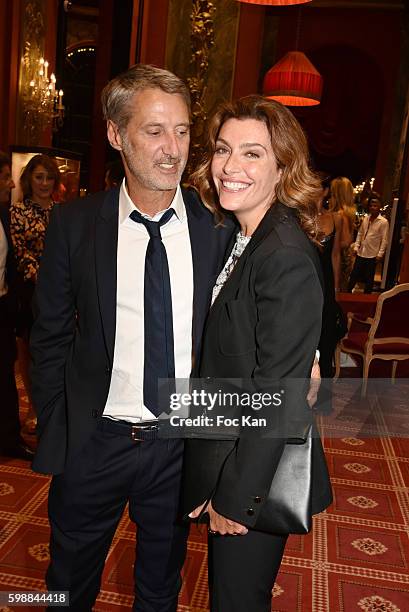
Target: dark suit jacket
x,y
72,340
264,325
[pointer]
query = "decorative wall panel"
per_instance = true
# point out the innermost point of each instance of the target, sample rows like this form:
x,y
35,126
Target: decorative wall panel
x,y
201,46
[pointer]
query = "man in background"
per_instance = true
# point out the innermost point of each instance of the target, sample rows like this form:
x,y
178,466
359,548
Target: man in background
x,y
11,442
370,245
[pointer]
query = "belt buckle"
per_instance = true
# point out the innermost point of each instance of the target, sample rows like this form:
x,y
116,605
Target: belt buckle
x,y
134,433
138,428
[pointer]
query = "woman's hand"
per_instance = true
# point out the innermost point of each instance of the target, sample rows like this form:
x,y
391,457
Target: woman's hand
x,y
218,523
315,383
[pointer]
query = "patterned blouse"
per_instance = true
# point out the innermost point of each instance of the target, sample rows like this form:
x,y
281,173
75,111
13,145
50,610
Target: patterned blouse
x,y
28,224
237,250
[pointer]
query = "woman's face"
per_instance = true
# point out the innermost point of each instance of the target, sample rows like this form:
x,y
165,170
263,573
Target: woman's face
x,y
244,167
42,184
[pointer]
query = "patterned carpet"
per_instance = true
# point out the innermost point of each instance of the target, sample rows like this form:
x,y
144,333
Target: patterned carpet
x,y
355,559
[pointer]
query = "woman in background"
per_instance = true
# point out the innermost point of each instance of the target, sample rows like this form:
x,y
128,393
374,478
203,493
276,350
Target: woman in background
x,y
342,203
331,226
264,325
28,224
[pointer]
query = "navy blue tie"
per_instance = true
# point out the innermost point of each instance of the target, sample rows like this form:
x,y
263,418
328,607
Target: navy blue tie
x,y
159,359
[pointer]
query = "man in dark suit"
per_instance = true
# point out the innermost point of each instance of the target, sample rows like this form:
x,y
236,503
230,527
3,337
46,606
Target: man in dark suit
x,y
107,328
11,442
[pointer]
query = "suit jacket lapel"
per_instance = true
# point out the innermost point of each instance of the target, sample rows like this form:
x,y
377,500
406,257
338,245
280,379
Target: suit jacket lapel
x,y
202,273
106,243
230,289
208,246
278,213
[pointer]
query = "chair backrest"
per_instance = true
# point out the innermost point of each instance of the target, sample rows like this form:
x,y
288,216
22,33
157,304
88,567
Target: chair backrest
x,y
392,314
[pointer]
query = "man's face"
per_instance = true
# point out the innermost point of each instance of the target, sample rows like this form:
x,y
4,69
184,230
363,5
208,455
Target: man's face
x,y
374,207
155,143
6,183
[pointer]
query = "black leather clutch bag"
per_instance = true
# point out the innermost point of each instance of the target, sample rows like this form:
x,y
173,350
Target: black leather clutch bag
x,y
287,508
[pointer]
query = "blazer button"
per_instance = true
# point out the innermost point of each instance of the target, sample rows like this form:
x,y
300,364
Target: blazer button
x,y
250,511
108,370
257,499
94,413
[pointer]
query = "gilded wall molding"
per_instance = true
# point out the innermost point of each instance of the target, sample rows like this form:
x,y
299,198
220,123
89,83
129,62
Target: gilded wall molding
x,y
201,49
201,42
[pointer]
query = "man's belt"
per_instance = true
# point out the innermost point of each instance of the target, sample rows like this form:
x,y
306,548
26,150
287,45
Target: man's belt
x,y
138,432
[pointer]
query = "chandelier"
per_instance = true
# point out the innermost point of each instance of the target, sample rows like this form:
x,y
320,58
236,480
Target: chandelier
x,y
42,100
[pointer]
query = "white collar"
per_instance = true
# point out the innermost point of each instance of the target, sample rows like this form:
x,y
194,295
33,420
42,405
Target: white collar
x,y
126,205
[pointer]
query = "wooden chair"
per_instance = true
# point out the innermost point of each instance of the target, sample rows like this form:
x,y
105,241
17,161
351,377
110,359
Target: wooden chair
x,y
383,336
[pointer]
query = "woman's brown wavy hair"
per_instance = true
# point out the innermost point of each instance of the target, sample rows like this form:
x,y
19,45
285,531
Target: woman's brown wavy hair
x,y
298,187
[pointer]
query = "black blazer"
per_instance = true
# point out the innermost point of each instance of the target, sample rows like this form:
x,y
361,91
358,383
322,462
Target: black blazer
x,y
72,340
265,324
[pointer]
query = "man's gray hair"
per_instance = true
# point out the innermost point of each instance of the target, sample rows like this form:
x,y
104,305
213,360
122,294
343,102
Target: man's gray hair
x,y
118,93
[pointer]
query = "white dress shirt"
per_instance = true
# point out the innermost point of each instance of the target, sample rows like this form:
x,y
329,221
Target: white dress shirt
x,y
372,237
125,397
4,247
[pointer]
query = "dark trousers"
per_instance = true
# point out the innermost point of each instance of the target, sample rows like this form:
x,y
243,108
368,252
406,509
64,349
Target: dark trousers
x,y
242,571
86,503
363,271
9,413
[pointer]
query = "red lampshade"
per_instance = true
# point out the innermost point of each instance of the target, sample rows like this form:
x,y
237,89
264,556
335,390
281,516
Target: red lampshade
x,y
275,2
293,81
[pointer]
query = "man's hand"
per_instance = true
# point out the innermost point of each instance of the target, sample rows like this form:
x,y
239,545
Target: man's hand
x,y
315,383
218,523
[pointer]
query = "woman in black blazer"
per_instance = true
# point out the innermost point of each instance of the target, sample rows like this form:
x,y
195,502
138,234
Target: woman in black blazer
x,y
264,324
